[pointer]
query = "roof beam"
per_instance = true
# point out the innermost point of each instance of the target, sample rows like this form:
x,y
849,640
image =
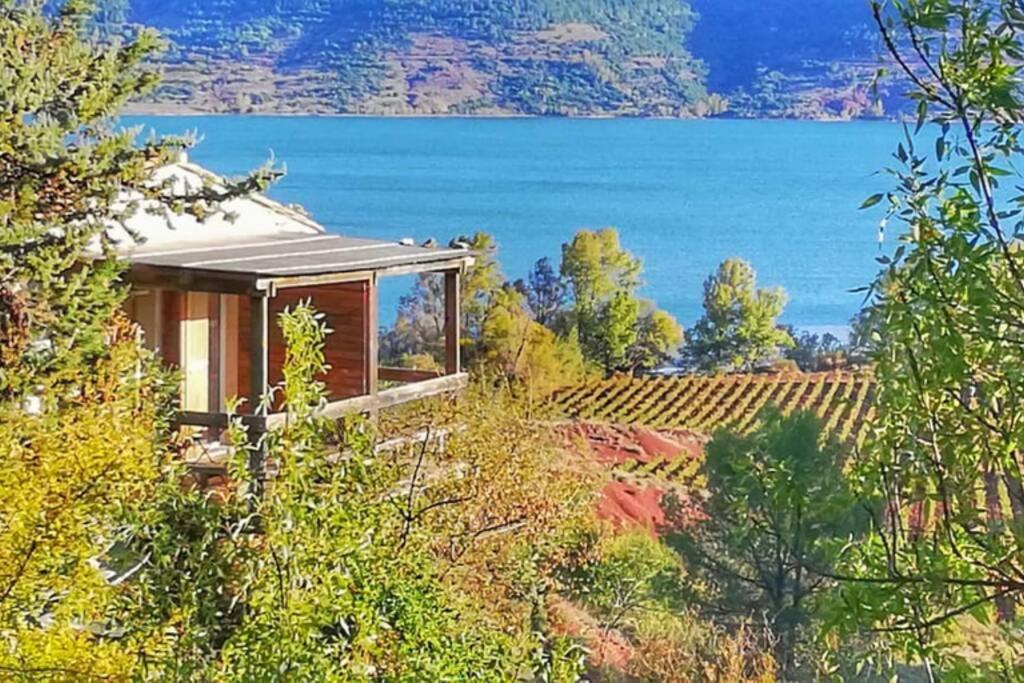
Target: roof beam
x,y
191,279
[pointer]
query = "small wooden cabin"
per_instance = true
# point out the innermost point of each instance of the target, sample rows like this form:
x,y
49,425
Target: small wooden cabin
x,y
207,294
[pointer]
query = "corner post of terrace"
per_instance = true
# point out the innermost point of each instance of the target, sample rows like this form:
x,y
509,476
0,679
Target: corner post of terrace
x,y
452,314
259,371
372,361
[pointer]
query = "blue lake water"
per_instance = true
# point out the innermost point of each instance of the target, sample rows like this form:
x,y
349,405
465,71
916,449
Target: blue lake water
x,y
684,195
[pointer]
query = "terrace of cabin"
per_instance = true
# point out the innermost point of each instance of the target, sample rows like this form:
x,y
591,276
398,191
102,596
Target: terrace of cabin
x,y
207,296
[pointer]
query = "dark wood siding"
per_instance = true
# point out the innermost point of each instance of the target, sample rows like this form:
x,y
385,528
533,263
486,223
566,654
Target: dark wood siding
x,y
345,307
173,312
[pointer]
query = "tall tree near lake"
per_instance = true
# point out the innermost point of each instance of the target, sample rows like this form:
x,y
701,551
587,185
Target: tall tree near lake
x,y
944,470
546,294
740,325
81,404
777,505
617,330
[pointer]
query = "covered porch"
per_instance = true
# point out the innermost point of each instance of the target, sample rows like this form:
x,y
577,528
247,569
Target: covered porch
x,y
210,310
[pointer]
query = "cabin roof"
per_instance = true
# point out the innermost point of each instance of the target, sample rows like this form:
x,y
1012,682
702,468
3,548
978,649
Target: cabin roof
x,y
255,236
292,255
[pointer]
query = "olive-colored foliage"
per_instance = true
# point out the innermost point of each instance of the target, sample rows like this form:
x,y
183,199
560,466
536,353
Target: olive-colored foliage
x,y
67,477
81,405
617,330
630,574
684,647
777,507
513,506
424,562
943,471
522,349
739,329
635,587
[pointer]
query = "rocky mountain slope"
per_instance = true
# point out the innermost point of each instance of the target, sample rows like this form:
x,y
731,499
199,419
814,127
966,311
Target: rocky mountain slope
x,y
676,58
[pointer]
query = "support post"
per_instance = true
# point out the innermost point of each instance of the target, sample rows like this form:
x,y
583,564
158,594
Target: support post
x,y
259,354
372,365
452,317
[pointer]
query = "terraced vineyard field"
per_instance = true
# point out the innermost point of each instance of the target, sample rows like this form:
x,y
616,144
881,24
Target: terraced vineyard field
x,y
844,401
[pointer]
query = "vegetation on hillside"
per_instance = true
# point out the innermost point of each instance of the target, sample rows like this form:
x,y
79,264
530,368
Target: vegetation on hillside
x,y
867,527
551,57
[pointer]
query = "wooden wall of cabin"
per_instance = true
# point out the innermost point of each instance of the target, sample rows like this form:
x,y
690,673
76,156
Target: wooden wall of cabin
x,y
346,308
228,359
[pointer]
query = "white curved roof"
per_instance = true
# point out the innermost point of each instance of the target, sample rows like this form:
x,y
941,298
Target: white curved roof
x,y
237,219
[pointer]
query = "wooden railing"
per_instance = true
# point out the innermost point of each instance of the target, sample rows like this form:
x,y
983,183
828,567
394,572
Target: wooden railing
x,y
417,390
406,375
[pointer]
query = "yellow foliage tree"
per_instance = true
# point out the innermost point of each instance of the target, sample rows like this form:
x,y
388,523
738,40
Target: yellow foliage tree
x,y
517,347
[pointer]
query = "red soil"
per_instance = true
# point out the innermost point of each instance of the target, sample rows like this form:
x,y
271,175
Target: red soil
x,y
628,501
626,505
615,444
607,647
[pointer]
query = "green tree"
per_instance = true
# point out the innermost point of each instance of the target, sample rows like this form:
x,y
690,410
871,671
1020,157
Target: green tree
x,y
546,294
944,468
739,328
520,348
778,508
617,330
82,406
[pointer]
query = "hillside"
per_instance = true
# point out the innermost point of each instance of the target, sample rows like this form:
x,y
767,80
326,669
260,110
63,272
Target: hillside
x,y
535,57
519,57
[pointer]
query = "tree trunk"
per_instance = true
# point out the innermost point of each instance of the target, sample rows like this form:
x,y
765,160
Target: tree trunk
x,y
1005,606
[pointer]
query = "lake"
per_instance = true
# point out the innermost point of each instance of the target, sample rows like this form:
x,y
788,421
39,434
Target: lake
x,y
684,195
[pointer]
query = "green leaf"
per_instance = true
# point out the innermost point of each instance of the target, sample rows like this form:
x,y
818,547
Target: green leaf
x,y
872,200
922,115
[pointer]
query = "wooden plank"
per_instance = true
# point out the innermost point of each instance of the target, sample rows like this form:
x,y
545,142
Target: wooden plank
x,y
452,323
345,309
434,267
172,311
407,375
314,280
259,339
387,398
191,280
371,371
191,418
230,348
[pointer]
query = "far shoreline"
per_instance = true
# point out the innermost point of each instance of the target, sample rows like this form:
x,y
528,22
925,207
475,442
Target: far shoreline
x,y
159,112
